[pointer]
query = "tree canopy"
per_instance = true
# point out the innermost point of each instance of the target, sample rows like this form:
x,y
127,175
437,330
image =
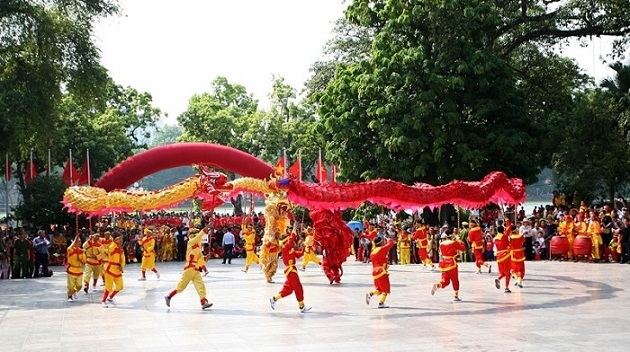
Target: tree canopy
x,y
455,89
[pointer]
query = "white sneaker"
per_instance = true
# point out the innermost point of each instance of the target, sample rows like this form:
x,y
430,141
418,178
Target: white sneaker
x,y
272,301
457,299
205,273
157,274
206,305
382,306
70,299
305,309
93,289
368,297
74,296
478,272
142,279
111,301
497,283
433,289
104,305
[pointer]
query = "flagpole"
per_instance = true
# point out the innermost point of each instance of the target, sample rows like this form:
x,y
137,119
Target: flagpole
x,y
88,169
6,186
284,164
71,167
300,163
319,166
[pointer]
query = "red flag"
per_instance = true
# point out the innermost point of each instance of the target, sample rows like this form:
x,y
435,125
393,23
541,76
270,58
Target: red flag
x,y
335,170
69,170
31,172
296,169
84,177
280,166
7,170
320,171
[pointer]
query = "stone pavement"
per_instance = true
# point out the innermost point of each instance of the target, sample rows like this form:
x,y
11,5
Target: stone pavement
x,y
563,306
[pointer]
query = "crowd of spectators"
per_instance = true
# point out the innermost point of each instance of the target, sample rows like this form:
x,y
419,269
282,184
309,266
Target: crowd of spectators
x,y
28,252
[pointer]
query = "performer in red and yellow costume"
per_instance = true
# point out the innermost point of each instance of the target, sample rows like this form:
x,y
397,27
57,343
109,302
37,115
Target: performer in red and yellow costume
x,y
92,249
404,247
503,256
421,237
191,270
290,255
379,259
106,242
309,249
148,254
581,229
249,235
517,255
475,238
449,247
74,268
565,228
113,272
167,250
594,230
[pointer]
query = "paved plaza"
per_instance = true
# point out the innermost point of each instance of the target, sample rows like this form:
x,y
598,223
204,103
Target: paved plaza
x,y
563,306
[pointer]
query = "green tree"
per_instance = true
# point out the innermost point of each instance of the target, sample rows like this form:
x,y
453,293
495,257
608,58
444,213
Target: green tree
x,y
46,51
593,157
113,128
41,204
218,116
456,89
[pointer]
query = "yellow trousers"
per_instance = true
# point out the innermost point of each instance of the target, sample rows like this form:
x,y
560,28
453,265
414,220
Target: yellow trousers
x,y
310,257
192,274
148,263
252,257
93,271
73,284
405,256
597,243
111,282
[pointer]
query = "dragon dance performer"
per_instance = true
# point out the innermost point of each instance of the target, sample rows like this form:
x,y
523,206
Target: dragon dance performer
x,y
74,268
309,249
290,255
404,247
113,272
421,237
502,253
249,235
565,228
594,230
378,256
517,256
191,271
92,249
167,249
475,238
106,242
580,229
449,246
269,259
148,254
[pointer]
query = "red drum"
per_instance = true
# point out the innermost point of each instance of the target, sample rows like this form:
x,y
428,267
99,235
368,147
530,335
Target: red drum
x,y
559,245
582,245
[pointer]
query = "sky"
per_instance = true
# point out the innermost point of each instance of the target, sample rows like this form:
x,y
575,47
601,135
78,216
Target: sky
x,y
175,49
